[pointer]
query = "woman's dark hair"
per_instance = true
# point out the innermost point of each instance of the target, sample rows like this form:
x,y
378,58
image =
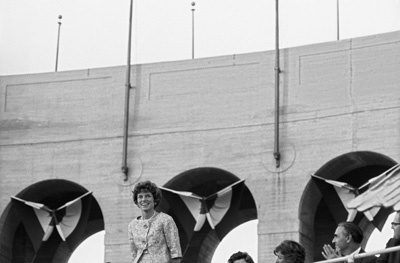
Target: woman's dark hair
x,y
147,186
292,251
354,230
240,255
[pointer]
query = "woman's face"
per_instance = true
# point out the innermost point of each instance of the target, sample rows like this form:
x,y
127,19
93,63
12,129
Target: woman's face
x,y
280,258
145,201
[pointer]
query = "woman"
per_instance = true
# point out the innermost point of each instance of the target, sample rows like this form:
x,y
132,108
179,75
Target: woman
x,y
153,236
290,252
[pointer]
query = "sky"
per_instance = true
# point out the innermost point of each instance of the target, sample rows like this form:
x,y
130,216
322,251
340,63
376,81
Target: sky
x,y
94,34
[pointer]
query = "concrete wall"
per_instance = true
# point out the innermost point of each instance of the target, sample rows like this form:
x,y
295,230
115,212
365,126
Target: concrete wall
x,y
336,98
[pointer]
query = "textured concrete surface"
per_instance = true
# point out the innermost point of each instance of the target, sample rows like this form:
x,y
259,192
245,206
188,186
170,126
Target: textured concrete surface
x,y
336,98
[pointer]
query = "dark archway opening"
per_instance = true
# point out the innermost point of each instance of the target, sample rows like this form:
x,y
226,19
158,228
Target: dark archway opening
x,y
16,240
319,216
199,246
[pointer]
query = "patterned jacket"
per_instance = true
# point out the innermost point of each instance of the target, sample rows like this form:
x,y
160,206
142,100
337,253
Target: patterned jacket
x,y
156,238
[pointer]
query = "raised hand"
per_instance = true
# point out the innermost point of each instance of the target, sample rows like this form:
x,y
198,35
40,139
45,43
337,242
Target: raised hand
x,y
329,253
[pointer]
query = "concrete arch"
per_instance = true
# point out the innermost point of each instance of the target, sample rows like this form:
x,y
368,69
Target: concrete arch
x,y
318,219
16,246
199,247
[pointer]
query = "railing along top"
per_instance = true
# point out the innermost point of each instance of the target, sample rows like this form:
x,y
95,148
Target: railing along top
x,y
351,258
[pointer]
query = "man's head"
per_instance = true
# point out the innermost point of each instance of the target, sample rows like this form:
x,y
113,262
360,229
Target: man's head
x,y
240,257
396,226
347,238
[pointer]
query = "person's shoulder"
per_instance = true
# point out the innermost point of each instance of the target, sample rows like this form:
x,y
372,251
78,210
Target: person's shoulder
x,y
134,220
393,242
164,215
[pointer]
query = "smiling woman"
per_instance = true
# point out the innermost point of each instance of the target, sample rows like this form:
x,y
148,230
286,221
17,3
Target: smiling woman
x,y
153,236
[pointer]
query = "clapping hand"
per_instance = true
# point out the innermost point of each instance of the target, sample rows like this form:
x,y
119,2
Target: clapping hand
x,y
329,252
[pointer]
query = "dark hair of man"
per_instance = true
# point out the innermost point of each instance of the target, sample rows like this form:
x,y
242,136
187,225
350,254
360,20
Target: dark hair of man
x,y
353,230
240,255
292,251
147,186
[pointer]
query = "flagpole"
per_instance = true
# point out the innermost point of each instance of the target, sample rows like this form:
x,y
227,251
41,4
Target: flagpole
x,y
193,4
124,167
58,40
337,19
277,154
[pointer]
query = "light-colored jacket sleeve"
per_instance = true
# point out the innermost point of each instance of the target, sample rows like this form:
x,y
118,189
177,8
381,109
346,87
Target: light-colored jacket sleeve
x,y
132,242
172,238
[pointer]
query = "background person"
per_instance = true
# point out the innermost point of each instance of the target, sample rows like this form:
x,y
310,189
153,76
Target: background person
x,y
153,236
393,257
240,257
290,251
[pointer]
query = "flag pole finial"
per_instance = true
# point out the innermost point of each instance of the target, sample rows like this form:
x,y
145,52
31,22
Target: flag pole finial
x,y
58,40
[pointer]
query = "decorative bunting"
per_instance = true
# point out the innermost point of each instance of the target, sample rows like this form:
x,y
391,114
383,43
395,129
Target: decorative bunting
x,y
211,208
383,192
40,220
